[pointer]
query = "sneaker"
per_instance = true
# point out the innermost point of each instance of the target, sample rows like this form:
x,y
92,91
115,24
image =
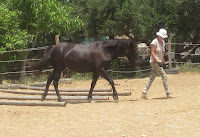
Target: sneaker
x,y
144,95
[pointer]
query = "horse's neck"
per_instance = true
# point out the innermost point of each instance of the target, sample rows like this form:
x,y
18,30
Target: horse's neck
x,y
115,53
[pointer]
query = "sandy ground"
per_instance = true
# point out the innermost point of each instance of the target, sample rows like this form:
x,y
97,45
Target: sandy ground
x,y
131,117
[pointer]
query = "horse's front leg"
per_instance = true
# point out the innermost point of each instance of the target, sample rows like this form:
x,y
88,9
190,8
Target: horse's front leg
x,y
110,80
94,80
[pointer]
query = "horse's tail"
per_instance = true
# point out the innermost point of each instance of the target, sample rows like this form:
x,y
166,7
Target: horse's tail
x,y
44,62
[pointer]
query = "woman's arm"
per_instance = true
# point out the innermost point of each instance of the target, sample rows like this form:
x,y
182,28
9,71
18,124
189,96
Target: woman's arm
x,y
153,50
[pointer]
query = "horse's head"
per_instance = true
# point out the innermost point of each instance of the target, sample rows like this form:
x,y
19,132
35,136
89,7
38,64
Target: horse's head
x,y
131,52
120,47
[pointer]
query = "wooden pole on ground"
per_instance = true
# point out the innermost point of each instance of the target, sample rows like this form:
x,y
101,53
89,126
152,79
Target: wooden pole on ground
x,y
23,103
26,97
67,90
65,93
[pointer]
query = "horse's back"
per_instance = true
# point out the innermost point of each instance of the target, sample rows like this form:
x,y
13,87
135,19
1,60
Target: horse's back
x,y
85,57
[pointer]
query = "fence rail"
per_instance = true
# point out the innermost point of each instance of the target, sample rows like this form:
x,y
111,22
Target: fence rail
x,y
24,50
19,72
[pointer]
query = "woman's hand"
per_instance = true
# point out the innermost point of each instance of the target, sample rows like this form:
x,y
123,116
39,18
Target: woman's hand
x,y
160,64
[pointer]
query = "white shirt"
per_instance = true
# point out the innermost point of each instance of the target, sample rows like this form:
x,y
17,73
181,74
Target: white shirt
x,y
160,50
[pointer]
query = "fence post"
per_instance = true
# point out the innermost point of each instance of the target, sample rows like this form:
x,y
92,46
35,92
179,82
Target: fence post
x,y
170,50
23,70
57,39
57,42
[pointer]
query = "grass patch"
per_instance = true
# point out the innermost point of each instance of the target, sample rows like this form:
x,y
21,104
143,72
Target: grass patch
x,y
188,67
27,80
82,76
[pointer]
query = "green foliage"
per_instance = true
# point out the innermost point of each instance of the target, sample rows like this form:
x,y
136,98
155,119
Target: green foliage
x,y
106,17
48,16
156,14
94,18
33,21
187,24
41,18
142,18
82,76
53,16
75,19
11,36
27,80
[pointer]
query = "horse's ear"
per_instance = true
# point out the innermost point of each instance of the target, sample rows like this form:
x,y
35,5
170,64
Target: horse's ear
x,y
132,40
130,43
105,45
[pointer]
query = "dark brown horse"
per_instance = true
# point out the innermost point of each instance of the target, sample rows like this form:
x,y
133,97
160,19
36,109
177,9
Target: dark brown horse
x,y
94,57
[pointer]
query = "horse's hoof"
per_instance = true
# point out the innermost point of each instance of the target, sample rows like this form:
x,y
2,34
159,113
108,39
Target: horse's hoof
x,y
60,100
90,100
116,99
42,98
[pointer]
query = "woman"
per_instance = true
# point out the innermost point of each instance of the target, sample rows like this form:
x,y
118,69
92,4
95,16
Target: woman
x,y
157,61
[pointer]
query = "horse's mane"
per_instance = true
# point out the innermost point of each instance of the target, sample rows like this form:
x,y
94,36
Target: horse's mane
x,y
113,42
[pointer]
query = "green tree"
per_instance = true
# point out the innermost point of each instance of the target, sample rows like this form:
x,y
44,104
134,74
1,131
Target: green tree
x,y
187,23
142,18
42,18
34,21
11,36
106,17
156,14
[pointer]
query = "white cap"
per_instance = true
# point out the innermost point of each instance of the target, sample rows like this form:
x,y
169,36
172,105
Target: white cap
x,y
162,33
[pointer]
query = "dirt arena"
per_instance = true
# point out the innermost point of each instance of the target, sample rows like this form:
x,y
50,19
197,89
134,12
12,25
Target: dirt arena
x,y
131,117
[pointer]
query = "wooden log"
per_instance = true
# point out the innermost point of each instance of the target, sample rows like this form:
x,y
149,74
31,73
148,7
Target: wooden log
x,y
172,71
25,97
67,90
22,103
43,84
12,86
65,93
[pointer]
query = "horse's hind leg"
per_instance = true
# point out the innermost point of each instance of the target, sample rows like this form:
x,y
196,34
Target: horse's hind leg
x,y
50,79
109,79
55,83
94,80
